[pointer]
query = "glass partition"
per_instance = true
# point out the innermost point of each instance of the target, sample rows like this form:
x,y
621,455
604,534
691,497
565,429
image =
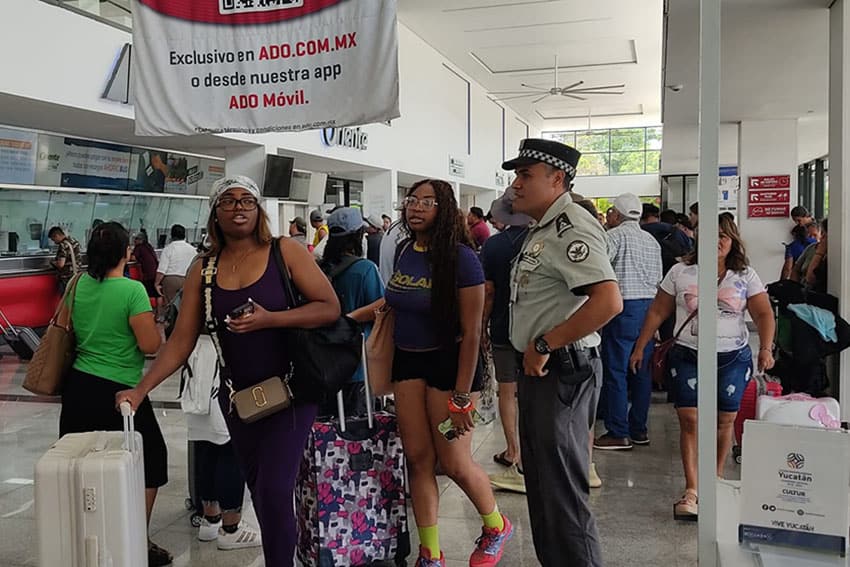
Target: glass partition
x,y
185,212
22,219
26,215
72,212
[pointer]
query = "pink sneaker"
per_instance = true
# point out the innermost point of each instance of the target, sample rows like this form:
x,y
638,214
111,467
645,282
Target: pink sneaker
x,y
491,544
425,559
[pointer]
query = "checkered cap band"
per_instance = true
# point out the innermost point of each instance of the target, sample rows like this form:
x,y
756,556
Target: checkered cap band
x,y
550,159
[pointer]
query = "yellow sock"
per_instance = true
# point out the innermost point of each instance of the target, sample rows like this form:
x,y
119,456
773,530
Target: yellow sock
x,y
494,519
429,538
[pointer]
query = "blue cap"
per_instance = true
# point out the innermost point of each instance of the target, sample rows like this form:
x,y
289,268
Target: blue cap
x,y
345,221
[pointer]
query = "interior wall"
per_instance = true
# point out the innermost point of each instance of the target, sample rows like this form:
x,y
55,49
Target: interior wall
x,y
680,148
640,185
433,124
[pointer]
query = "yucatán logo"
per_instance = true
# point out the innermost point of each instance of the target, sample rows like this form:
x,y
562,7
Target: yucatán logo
x,y
353,138
796,461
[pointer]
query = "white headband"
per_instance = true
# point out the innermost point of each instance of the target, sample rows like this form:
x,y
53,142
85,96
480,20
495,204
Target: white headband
x,y
221,186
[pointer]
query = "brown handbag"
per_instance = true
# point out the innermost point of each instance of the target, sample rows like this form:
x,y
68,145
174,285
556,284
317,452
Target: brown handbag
x,y
57,350
380,348
269,396
662,349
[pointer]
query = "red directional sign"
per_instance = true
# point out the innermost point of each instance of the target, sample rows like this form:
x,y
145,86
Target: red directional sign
x,y
770,182
769,211
780,196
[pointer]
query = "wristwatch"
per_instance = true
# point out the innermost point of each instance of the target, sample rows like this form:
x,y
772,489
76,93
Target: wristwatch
x,y
541,346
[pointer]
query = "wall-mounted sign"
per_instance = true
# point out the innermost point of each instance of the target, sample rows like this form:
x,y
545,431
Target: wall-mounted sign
x,y
769,196
212,66
457,168
770,182
353,138
17,156
769,211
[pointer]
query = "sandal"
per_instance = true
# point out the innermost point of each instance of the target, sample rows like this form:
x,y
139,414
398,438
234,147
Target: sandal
x,y
500,458
687,508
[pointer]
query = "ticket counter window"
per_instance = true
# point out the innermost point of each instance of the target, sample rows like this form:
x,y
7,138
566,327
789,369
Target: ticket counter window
x,y
22,219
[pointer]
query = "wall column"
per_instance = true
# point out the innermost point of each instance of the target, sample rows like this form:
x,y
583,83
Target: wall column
x,y
251,161
839,162
379,188
766,147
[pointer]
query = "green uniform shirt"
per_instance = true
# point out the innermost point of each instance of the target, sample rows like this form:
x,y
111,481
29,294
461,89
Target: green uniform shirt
x,y
563,253
106,345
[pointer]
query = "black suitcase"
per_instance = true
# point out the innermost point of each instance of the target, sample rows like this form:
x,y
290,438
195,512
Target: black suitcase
x,y
23,340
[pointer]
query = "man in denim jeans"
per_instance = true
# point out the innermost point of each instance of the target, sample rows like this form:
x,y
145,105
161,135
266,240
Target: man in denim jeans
x,y
636,258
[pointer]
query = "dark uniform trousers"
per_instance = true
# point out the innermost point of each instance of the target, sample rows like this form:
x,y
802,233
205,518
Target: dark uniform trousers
x,y
554,427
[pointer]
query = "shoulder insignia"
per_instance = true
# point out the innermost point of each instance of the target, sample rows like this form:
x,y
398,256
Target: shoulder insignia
x,y
563,224
578,251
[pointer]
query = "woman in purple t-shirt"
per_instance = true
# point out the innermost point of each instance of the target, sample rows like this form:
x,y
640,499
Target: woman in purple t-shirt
x,y
437,292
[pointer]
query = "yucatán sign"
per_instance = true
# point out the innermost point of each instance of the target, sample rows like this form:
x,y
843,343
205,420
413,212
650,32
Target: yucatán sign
x,y
211,66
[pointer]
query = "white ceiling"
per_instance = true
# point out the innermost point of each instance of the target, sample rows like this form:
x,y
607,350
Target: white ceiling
x,y
503,43
774,60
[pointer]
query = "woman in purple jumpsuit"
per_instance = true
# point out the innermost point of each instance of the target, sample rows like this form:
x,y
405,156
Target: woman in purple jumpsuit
x,y
254,348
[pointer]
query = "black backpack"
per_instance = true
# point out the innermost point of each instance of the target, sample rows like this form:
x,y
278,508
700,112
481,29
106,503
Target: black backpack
x,y
672,248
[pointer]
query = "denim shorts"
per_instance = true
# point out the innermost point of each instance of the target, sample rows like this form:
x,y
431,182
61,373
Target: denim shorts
x,y
733,373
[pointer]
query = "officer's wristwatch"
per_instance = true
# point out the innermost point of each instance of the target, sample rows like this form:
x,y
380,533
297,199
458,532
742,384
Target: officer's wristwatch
x,y
541,346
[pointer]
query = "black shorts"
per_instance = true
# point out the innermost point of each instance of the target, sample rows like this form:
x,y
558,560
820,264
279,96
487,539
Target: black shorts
x,y
88,404
437,367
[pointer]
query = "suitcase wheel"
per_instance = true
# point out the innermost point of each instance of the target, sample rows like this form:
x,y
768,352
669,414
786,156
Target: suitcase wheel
x,y
195,520
736,453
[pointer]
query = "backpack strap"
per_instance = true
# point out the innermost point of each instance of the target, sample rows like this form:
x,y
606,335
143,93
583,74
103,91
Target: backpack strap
x,y
208,282
343,265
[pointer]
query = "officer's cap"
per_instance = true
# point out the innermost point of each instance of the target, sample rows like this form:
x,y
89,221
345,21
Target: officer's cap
x,y
556,154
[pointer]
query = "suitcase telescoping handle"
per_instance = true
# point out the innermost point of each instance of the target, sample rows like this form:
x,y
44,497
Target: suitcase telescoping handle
x,y
370,409
9,326
129,427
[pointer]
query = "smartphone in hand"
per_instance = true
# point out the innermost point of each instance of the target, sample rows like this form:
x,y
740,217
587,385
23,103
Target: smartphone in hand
x,y
448,431
244,309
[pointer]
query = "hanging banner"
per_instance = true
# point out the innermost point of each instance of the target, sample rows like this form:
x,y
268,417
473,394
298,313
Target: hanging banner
x,y
211,66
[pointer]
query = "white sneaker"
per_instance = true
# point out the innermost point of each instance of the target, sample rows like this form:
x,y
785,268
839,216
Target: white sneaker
x,y
208,531
595,481
511,480
244,536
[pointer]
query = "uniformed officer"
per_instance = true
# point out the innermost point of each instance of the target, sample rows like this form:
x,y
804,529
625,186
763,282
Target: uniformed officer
x,y
563,291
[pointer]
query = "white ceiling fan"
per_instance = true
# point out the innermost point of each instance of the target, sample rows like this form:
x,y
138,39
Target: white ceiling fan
x,y
575,90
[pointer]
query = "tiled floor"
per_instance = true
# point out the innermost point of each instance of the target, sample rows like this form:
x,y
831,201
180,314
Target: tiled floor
x,y
634,507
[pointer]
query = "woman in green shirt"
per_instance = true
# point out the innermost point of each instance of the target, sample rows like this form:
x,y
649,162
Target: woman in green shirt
x,y
115,328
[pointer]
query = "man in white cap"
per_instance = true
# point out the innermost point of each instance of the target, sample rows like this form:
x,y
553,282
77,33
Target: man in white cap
x,y
636,258
374,235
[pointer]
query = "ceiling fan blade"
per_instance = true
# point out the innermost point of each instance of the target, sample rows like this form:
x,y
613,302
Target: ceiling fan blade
x,y
573,96
535,101
572,86
600,88
508,92
533,87
516,97
594,93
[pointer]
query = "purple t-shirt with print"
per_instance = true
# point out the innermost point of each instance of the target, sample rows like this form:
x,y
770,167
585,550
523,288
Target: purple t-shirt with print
x,y
409,294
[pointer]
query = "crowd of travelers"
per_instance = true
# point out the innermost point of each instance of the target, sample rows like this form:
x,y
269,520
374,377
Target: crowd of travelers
x,y
569,300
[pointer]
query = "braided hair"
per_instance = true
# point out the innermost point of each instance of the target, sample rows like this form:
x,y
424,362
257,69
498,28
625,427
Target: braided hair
x,y
449,231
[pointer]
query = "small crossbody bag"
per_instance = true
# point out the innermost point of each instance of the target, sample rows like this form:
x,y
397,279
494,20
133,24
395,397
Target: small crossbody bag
x,y
260,400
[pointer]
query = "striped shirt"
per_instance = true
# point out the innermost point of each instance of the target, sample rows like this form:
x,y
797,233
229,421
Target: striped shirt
x,y
636,258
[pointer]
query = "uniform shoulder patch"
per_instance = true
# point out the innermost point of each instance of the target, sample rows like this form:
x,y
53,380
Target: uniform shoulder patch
x,y
563,224
578,251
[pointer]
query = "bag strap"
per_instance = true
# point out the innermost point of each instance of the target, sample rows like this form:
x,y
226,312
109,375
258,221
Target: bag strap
x,y
345,263
70,291
690,318
288,286
208,281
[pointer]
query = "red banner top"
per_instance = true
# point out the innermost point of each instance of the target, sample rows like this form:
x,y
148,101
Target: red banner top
x,y
238,11
770,182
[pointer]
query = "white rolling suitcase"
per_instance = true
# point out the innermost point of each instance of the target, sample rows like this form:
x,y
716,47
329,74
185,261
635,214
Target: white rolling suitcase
x,y
90,500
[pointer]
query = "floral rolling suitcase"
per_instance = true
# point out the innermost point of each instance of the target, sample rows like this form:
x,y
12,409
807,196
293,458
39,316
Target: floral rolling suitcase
x,y
350,496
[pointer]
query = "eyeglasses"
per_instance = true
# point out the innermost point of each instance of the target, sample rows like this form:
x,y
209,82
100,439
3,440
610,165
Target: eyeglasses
x,y
425,204
229,203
